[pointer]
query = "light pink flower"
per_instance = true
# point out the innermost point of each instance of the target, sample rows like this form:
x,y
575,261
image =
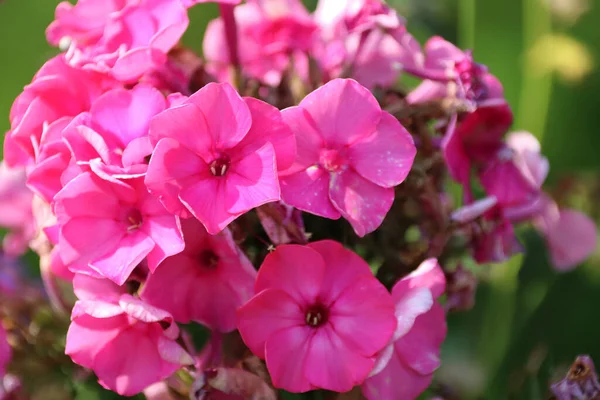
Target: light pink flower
x,y
5,352
405,368
126,38
571,236
108,227
319,317
54,165
376,46
217,155
127,343
453,73
57,91
269,32
115,130
15,210
206,283
351,154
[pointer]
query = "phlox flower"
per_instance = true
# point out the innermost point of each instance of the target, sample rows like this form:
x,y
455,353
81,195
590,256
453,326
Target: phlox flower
x,y
15,210
217,155
115,130
57,91
319,317
405,368
127,343
207,282
570,235
108,227
268,33
125,38
350,156
365,38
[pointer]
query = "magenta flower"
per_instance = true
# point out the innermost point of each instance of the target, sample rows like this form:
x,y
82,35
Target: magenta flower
x,y
206,283
57,91
127,343
351,154
15,210
268,33
126,38
217,155
319,317
405,369
108,227
570,235
115,130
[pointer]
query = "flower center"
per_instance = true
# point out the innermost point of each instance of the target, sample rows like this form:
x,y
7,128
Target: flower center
x,y
220,166
316,316
332,160
134,219
209,259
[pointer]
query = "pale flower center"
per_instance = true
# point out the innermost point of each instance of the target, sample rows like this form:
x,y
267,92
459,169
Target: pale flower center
x,y
220,166
134,219
332,160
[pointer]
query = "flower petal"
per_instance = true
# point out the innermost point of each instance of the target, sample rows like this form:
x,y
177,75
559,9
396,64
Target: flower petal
x,y
252,181
386,156
265,314
343,111
295,269
362,203
206,200
308,191
286,352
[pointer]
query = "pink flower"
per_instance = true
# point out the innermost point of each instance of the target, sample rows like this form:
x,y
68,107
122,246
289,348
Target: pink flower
x,y
124,37
57,91
5,352
571,236
217,155
405,369
15,210
127,343
351,154
115,130
376,46
453,73
269,32
206,283
108,227
319,317
54,165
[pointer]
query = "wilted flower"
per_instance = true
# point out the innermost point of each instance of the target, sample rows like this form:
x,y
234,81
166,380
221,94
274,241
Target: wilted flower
x,y
581,381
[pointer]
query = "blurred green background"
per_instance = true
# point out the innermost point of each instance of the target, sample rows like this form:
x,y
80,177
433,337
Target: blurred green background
x,y
529,322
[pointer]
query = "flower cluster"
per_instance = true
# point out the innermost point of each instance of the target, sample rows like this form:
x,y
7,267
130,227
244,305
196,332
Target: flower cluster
x,y
136,171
